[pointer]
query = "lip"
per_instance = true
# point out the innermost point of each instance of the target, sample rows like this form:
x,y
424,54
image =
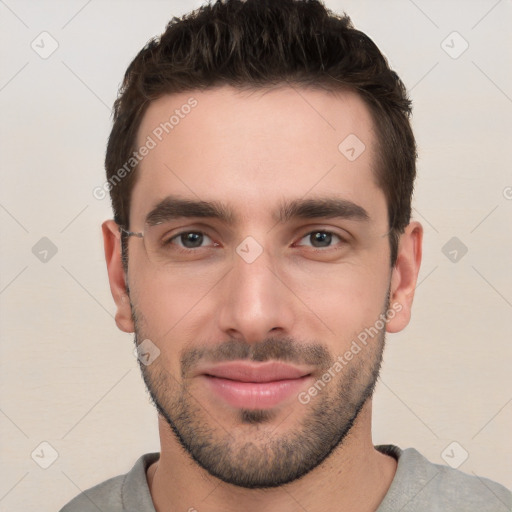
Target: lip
x,y
270,371
254,385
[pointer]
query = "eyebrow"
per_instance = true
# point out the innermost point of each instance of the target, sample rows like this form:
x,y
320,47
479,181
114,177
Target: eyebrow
x,y
173,207
328,208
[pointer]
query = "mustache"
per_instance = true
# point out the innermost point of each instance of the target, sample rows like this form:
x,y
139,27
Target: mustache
x,y
270,349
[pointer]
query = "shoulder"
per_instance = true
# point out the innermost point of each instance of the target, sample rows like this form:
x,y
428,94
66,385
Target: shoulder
x,y
119,493
421,485
104,496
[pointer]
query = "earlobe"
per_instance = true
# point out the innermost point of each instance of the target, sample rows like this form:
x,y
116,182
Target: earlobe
x,y
404,276
116,275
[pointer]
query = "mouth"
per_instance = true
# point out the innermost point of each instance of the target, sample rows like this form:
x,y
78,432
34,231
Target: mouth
x,y
255,385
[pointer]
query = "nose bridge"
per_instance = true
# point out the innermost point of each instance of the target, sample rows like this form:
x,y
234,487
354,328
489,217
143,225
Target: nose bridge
x,y
254,301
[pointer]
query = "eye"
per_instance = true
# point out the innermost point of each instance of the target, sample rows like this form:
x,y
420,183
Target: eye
x,y
190,240
320,239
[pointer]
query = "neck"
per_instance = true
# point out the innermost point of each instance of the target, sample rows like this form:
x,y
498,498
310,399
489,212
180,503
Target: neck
x,y
354,477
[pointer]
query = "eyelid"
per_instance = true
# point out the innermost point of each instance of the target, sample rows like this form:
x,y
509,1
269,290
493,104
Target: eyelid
x,y
198,227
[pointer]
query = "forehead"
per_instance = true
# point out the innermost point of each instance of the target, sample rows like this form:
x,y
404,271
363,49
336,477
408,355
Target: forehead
x,y
253,148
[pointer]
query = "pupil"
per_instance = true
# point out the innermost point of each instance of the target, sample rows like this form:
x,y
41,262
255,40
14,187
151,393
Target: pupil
x,y
321,239
191,240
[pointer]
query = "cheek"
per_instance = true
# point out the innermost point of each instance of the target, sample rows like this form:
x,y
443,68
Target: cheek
x,y
168,300
346,297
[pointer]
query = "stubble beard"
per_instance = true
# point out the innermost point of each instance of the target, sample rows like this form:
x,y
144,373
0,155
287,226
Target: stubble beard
x,y
255,451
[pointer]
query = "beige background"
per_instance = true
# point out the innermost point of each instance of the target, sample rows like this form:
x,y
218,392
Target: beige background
x,y
68,376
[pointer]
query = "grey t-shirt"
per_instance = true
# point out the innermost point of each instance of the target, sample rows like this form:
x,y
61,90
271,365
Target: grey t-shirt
x,y
418,486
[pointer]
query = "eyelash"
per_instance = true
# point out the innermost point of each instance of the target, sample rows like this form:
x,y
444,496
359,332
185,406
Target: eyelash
x,y
309,233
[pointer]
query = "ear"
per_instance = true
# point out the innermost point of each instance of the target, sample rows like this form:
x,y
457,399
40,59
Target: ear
x,y
404,276
116,275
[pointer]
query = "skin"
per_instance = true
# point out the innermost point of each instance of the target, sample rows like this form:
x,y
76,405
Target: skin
x,y
251,151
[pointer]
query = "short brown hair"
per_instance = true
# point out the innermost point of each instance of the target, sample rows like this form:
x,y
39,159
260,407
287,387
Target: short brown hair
x,y
265,43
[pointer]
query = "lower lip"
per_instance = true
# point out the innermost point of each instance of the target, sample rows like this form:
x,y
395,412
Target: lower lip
x,y
255,395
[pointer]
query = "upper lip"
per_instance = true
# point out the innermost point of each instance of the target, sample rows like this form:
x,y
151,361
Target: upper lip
x,y
270,371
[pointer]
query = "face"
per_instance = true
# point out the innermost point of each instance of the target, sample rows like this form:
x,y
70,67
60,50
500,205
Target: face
x,y
263,278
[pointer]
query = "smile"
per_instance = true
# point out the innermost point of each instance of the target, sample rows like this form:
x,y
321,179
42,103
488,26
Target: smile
x,y
255,385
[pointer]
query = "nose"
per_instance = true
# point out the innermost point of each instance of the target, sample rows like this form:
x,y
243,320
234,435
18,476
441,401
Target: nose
x,y
255,301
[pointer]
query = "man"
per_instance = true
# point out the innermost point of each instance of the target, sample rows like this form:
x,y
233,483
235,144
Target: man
x,y
261,167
